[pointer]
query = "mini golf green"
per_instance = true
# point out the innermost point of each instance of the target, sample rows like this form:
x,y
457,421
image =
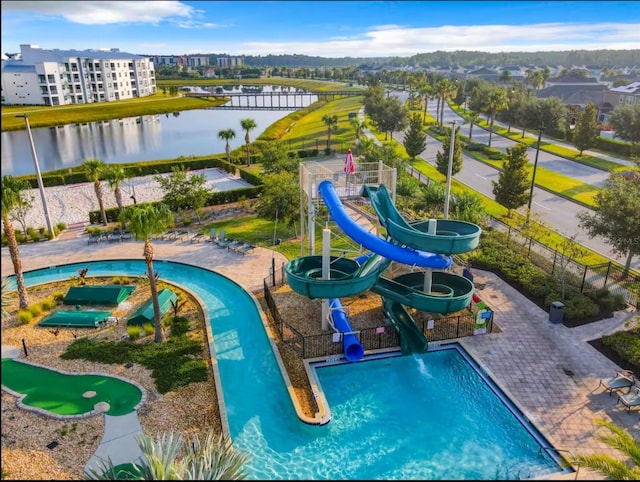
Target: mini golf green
x,y
62,393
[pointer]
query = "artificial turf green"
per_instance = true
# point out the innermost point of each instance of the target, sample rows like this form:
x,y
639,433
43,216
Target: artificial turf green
x,y
61,393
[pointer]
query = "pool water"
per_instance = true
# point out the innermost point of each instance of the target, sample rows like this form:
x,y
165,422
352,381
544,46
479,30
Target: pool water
x,y
429,416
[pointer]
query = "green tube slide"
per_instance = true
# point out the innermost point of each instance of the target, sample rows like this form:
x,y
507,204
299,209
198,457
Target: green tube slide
x,y
451,236
347,277
449,292
412,340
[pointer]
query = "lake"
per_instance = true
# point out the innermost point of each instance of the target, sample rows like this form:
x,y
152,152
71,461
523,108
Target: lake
x,y
134,139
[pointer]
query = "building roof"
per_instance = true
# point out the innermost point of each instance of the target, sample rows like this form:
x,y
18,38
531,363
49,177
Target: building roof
x,y
575,94
17,67
631,88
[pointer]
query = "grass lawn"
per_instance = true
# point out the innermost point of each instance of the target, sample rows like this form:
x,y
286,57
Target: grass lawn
x,y
306,84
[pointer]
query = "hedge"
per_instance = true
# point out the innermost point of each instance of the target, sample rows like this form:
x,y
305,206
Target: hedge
x,y
613,145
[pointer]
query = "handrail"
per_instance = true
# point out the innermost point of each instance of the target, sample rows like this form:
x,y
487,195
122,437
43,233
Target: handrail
x,y
547,449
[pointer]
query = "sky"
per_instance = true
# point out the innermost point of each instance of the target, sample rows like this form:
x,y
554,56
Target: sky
x,y
320,28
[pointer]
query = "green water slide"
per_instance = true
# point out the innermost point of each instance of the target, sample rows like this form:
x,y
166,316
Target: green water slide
x,y
449,292
412,340
347,277
450,237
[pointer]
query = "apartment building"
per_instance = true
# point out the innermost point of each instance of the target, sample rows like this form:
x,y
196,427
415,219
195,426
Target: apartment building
x,y
181,60
61,77
229,61
625,94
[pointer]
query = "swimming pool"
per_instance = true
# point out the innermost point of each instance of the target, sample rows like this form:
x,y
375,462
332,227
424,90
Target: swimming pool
x,y
384,411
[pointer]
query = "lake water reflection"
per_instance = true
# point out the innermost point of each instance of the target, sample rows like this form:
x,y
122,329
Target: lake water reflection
x,y
132,139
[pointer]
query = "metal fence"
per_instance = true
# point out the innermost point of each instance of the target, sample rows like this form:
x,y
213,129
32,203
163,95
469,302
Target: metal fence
x,y
386,336
584,277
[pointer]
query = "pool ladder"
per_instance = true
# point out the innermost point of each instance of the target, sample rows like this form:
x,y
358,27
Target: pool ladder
x,y
549,449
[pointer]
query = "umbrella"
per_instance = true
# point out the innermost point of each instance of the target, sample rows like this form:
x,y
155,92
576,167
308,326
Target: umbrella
x,y
349,165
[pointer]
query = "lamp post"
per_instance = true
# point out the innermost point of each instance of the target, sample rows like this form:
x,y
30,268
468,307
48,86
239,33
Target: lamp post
x,y
572,126
449,169
38,176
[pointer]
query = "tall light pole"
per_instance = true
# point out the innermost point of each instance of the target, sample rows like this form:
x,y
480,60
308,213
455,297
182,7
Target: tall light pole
x,y
572,126
38,176
449,169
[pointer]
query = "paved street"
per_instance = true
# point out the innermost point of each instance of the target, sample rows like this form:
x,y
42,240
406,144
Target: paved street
x,y
557,212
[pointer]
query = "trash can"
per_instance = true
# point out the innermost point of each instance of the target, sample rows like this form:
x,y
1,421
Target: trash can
x,y
556,312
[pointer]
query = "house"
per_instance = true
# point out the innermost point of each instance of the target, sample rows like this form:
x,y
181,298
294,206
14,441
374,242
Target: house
x,y
623,95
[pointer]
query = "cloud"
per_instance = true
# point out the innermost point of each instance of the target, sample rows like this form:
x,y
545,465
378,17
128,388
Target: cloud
x,y
106,12
387,40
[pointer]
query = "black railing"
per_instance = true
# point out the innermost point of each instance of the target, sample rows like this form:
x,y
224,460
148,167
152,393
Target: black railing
x,y
383,336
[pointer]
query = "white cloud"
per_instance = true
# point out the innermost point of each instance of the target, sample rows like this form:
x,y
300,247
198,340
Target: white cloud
x,y
106,12
388,40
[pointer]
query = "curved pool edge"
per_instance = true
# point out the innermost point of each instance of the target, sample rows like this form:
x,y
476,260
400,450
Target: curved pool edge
x,y
46,413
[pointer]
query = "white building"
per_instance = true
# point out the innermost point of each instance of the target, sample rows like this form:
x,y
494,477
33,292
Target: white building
x,y
60,77
230,61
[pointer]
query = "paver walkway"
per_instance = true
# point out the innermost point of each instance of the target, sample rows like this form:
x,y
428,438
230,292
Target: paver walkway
x,y
547,369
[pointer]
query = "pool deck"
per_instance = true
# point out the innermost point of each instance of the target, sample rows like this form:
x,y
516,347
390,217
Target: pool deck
x,y
549,371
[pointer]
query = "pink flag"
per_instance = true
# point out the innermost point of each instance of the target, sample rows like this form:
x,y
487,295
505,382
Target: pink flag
x,y
349,165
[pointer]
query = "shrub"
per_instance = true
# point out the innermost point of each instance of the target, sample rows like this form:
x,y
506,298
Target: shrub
x,y
41,231
626,344
47,304
35,236
179,326
134,332
58,295
20,237
148,329
61,226
25,317
186,221
35,310
580,308
49,235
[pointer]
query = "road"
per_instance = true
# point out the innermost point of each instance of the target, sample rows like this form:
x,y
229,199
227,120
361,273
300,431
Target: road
x,y
556,212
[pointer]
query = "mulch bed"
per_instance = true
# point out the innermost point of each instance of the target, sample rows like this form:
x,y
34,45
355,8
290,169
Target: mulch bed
x,y
615,357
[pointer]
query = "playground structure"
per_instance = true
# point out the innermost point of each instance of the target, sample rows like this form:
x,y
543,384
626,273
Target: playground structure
x,y
426,244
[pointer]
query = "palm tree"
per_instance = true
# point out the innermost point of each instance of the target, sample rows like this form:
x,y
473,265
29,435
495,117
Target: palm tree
x,y
359,127
608,466
497,102
331,121
170,457
95,171
227,135
11,188
145,222
474,118
425,91
5,298
248,125
115,176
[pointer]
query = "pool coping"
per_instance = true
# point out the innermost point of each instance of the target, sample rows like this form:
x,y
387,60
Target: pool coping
x,y
92,413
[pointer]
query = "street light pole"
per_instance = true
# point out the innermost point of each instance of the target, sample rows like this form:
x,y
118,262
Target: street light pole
x,y
533,176
38,175
449,169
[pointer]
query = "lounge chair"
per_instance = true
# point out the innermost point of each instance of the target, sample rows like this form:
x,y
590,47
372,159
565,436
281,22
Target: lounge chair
x,y
221,237
631,399
235,244
125,235
226,242
245,248
181,234
196,238
620,381
94,238
212,235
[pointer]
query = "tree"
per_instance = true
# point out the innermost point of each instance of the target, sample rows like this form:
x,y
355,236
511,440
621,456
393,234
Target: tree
x,y
358,126
145,222
95,170
248,125
616,216
424,89
171,457
625,120
276,157
331,121
5,298
393,116
511,189
415,140
442,157
585,134
21,209
505,76
226,135
115,176
474,118
11,187
280,197
183,190
497,101
611,468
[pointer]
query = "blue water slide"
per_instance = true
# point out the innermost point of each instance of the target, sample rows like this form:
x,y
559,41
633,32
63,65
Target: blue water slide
x,y
374,243
353,350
